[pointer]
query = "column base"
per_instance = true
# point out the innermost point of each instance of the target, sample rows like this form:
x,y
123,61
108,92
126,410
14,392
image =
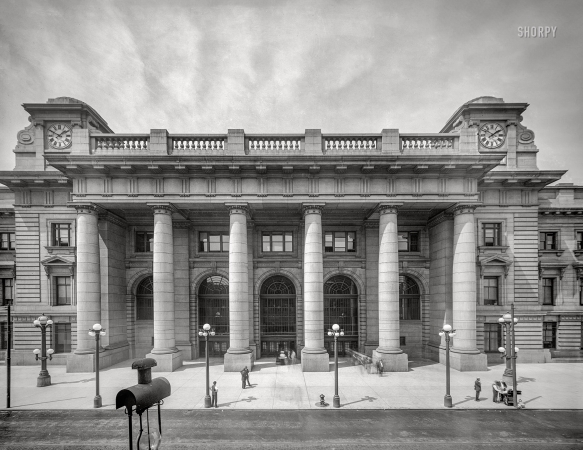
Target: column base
x,y
43,380
466,362
166,362
315,362
235,362
392,362
85,362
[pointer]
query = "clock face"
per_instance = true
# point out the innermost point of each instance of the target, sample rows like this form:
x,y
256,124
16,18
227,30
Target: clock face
x,y
492,135
59,136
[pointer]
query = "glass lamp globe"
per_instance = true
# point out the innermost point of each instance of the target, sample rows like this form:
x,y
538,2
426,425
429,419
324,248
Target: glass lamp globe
x,y
206,327
36,323
516,349
501,320
441,333
516,320
447,327
50,351
200,333
49,322
43,319
97,327
36,351
92,333
507,317
102,333
341,332
335,327
452,334
501,349
329,333
212,332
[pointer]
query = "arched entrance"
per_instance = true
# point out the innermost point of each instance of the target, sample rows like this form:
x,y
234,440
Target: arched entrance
x,y
341,307
277,316
213,308
144,316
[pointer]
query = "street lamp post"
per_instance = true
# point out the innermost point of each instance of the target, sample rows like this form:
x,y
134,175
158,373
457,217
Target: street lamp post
x,y
448,333
97,331
206,332
509,322
336,331
44,379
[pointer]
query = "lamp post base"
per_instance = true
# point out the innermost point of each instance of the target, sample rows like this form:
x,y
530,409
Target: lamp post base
x,y
97,401
43,380
336,402
447,401
207,401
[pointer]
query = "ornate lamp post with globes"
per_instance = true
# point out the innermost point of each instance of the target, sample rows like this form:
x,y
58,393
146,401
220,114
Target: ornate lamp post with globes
x,y
335,332
44,379
97,331
448,333
509,322
206,332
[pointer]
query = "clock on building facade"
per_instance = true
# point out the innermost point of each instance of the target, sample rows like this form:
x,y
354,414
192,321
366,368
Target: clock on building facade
x,y
492,135
59,136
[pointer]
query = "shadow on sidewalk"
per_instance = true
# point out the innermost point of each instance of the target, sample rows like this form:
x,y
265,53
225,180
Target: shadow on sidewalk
x,y
363,399
86,380
246,400
51,401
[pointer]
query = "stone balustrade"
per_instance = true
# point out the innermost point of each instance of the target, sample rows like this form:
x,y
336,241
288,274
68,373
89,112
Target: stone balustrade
x,y
351,143
273,144
105,143
190,143
436,141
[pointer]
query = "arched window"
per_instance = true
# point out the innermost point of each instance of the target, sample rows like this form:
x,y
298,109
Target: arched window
x,y
341,304
213,304
145,299
278,307
409,299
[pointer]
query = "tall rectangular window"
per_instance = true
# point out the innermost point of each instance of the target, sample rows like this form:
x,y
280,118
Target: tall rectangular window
x,y
62,290
491,290
144,241
579,240
549,334
408,241
62,337
548,291
4,336
61,234
7,291
548,240
213,242
277,241
7,241
491,234
340,241
492,337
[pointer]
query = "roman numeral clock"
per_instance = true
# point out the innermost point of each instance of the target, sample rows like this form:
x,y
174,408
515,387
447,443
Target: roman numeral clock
x,y
492,135
59,136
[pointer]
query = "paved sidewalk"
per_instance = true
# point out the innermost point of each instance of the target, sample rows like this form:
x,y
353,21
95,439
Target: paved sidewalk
x,y
543,386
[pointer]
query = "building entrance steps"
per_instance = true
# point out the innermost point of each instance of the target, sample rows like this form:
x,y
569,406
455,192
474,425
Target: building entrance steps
x,y
543,386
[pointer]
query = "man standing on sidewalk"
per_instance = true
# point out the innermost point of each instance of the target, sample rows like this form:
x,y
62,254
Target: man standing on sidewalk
x,y
478,388
215,392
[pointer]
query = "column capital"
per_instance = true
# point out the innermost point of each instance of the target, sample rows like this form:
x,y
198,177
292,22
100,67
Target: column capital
x,y
239,208
388,208
463,209
312,208
162,208
85,208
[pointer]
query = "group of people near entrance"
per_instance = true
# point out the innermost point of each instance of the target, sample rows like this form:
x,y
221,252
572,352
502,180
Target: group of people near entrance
x,y
285,357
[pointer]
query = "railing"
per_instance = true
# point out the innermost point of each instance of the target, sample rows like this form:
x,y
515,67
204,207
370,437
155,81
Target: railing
x,y
188,143
437,141
363,360
113,142
273,144
348,143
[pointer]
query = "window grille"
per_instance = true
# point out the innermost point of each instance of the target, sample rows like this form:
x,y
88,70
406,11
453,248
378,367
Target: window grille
x,y
341,305
278,307
145,299
409,300
61,234
213,304
62,337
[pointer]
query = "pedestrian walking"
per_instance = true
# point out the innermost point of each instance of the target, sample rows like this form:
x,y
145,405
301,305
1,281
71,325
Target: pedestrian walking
x,y
494,393
292,357
247,376
380,367
215,393
243,377
478,388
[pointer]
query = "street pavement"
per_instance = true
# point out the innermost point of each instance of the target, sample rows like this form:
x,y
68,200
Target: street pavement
x,y
308,429
543,386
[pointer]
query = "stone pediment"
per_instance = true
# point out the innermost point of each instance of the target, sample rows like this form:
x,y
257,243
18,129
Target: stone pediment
x,y
58,262
498,259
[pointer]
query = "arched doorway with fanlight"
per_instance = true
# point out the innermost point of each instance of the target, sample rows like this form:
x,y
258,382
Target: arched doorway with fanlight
x,y
213,308
341,307
144,314
410,325
277,316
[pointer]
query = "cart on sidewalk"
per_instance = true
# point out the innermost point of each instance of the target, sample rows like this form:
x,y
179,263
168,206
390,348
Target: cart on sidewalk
x,y
508,398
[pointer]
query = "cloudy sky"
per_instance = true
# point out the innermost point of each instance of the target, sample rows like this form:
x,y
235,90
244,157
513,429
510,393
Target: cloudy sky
x,y
283,66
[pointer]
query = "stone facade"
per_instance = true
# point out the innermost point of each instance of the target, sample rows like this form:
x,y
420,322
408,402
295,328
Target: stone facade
x,y
272,238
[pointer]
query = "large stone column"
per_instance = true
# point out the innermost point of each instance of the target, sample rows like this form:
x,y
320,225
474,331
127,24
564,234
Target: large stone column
x,y
314,355
88,288
168,357
465,355
389,349
239,354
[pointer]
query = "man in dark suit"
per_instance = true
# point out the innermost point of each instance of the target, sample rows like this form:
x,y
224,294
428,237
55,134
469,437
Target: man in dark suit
x,y
478,388
215,392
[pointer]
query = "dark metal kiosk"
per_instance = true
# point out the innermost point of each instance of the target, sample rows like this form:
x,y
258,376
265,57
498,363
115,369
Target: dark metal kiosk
x,y
142,396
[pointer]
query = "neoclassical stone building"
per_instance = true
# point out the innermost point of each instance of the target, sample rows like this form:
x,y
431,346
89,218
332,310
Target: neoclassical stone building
x,y
273,238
